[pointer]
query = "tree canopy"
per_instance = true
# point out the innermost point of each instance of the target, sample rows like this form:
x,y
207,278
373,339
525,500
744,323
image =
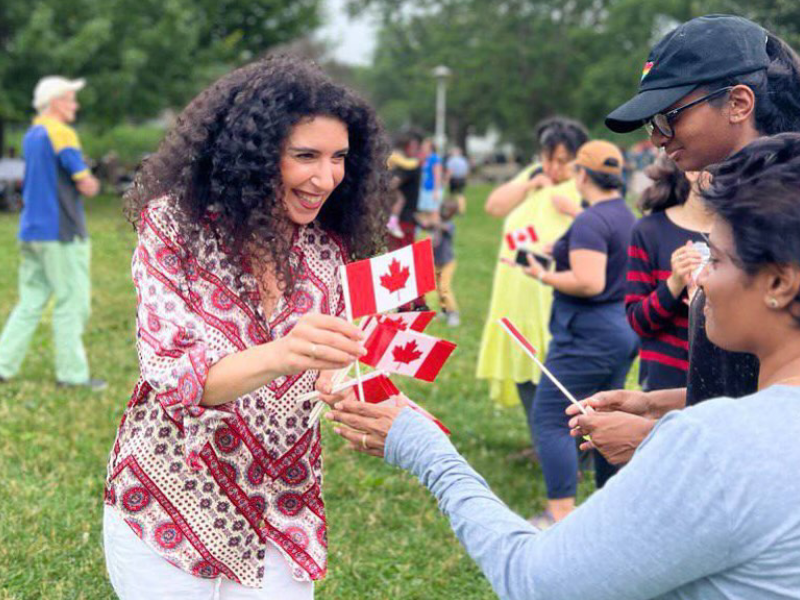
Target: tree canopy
x,y
517,61
139,56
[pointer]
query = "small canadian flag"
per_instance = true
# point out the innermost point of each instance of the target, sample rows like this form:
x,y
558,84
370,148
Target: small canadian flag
x,y
415,320
523,236
379,389
406,352
389,280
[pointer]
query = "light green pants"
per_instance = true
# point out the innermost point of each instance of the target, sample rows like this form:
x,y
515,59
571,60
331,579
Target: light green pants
x,y
61,271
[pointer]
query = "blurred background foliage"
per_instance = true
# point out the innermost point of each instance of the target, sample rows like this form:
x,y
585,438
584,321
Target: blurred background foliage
x,y
513,61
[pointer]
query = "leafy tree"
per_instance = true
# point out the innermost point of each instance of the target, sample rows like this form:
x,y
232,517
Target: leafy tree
x,y
517,61
139,56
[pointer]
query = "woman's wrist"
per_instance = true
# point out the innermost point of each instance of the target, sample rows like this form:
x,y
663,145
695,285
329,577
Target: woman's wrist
x,y
660,402
270,358
675,285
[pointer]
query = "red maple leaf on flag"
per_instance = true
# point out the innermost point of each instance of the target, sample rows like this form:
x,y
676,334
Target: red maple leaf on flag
x,y
396,278
397,323
406,354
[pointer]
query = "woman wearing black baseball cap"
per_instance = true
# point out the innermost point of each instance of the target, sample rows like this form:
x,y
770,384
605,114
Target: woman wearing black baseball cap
x,y
709,88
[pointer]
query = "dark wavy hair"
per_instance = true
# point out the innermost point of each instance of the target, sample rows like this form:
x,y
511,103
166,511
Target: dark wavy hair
x,y
225,150
670,186
757,192
555,131
776,89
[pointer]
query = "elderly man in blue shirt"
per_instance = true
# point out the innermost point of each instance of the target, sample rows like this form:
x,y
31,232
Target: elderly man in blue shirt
x,y
54,242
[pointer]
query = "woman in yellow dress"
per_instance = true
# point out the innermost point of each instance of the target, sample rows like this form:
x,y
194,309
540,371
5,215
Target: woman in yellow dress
x,y
544,196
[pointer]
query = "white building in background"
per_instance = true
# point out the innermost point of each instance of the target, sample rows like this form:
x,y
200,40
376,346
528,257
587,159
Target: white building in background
x,y
485,148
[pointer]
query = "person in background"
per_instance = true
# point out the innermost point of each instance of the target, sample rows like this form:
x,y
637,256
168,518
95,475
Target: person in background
x,y
707,509
456,172
404,166
710,87
592,345
54,240
544,196
444,260
661,263
406,174
430,192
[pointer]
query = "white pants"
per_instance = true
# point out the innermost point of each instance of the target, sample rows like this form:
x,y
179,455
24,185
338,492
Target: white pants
x,y
138,573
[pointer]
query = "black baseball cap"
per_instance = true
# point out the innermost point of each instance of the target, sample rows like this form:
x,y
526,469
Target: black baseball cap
x,y
700,51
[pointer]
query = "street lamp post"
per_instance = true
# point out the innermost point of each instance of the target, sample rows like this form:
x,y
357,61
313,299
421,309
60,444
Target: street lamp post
x,y
441,73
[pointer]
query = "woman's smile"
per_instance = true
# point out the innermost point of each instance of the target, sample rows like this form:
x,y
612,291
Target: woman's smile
x,y
308,200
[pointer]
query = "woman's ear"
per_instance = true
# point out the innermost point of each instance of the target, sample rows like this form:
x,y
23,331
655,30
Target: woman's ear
x,y
742,103
783,286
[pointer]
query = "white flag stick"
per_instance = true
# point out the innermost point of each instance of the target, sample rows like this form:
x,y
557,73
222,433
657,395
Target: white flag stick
x,y
558,384
349,310
516,337
335,390
317,410
315,413
338,376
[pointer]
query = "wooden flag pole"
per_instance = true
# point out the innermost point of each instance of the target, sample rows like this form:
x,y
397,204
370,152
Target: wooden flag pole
x,y
349,310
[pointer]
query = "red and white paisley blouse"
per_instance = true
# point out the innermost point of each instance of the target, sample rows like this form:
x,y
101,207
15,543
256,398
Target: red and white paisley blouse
x,y
207,488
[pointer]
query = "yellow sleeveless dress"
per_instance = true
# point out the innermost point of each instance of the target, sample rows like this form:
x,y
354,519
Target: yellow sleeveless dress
x,y
520,297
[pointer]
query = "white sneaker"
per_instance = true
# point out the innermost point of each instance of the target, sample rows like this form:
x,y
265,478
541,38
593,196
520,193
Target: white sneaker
x,y
394,228
453,319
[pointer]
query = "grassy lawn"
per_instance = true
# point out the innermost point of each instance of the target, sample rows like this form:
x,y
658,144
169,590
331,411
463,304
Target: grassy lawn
x,y
387,538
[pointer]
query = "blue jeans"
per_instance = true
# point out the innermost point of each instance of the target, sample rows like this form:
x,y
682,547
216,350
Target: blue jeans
x,y
591,350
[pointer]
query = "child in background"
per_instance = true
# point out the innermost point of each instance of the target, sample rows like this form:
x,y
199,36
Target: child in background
x,y
444,260
406,173
660,267
430,192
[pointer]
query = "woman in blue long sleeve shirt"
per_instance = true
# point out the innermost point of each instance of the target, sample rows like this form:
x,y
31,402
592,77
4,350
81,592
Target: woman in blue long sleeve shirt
x,y
704,510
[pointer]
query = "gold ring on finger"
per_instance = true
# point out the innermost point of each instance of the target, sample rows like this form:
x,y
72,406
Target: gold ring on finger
x,y
314,351
364,441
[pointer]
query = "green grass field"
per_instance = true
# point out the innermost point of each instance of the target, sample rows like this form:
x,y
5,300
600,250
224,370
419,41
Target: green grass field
x,y
387,538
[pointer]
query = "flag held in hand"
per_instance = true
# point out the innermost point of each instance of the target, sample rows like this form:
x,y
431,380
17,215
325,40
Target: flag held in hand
x,y
379,389
407,353
512,330
390,280
522,237
414,321
528,348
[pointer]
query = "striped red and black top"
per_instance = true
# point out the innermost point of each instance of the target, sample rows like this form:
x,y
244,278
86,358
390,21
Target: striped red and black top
x,y
660,319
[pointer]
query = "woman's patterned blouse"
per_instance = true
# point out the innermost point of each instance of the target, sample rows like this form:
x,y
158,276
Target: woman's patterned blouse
x,y
207,488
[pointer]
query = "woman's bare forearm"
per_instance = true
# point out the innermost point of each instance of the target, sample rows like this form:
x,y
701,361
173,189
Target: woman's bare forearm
x,y
241,373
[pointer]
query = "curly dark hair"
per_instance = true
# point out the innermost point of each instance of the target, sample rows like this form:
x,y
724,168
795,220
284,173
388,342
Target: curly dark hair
x,y
225,151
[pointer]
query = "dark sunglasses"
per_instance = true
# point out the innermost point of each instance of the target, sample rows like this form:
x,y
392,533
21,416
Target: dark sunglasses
x,y
663,121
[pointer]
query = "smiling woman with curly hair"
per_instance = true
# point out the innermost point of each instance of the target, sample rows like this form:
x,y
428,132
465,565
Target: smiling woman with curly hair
x,y
271,179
